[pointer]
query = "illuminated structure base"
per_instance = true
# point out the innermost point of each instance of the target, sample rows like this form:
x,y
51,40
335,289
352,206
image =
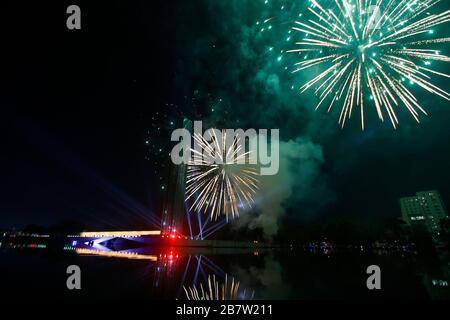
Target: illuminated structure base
x,y
117,239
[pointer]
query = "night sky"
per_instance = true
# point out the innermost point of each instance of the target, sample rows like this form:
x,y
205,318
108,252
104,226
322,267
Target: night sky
x,y
87,116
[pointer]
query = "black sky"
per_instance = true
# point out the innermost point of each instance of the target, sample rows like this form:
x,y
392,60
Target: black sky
x,y
77,105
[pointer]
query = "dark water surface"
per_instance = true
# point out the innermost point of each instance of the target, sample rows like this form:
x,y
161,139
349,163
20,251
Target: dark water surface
x,y
146,273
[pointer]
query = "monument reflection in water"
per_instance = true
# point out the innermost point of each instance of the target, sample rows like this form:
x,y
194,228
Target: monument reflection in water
x,y
126,268
195,276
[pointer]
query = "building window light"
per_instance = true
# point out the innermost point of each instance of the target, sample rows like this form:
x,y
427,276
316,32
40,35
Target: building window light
x,y
440,283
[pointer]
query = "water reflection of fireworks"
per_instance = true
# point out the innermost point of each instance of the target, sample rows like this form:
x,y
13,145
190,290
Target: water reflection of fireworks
x,y
229,290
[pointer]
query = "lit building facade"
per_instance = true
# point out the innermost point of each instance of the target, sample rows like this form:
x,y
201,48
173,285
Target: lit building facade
x,y
425,208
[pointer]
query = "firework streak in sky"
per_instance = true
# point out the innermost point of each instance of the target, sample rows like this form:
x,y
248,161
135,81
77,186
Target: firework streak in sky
x,y
216,182
371,48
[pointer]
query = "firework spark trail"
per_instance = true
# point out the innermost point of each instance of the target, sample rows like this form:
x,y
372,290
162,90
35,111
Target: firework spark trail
x,y
220,179
366,44
214,291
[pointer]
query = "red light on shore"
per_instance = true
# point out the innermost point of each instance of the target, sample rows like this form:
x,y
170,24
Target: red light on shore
x,y
172,236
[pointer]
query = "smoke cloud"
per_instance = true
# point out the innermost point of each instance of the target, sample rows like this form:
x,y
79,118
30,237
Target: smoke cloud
x,y
299,183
